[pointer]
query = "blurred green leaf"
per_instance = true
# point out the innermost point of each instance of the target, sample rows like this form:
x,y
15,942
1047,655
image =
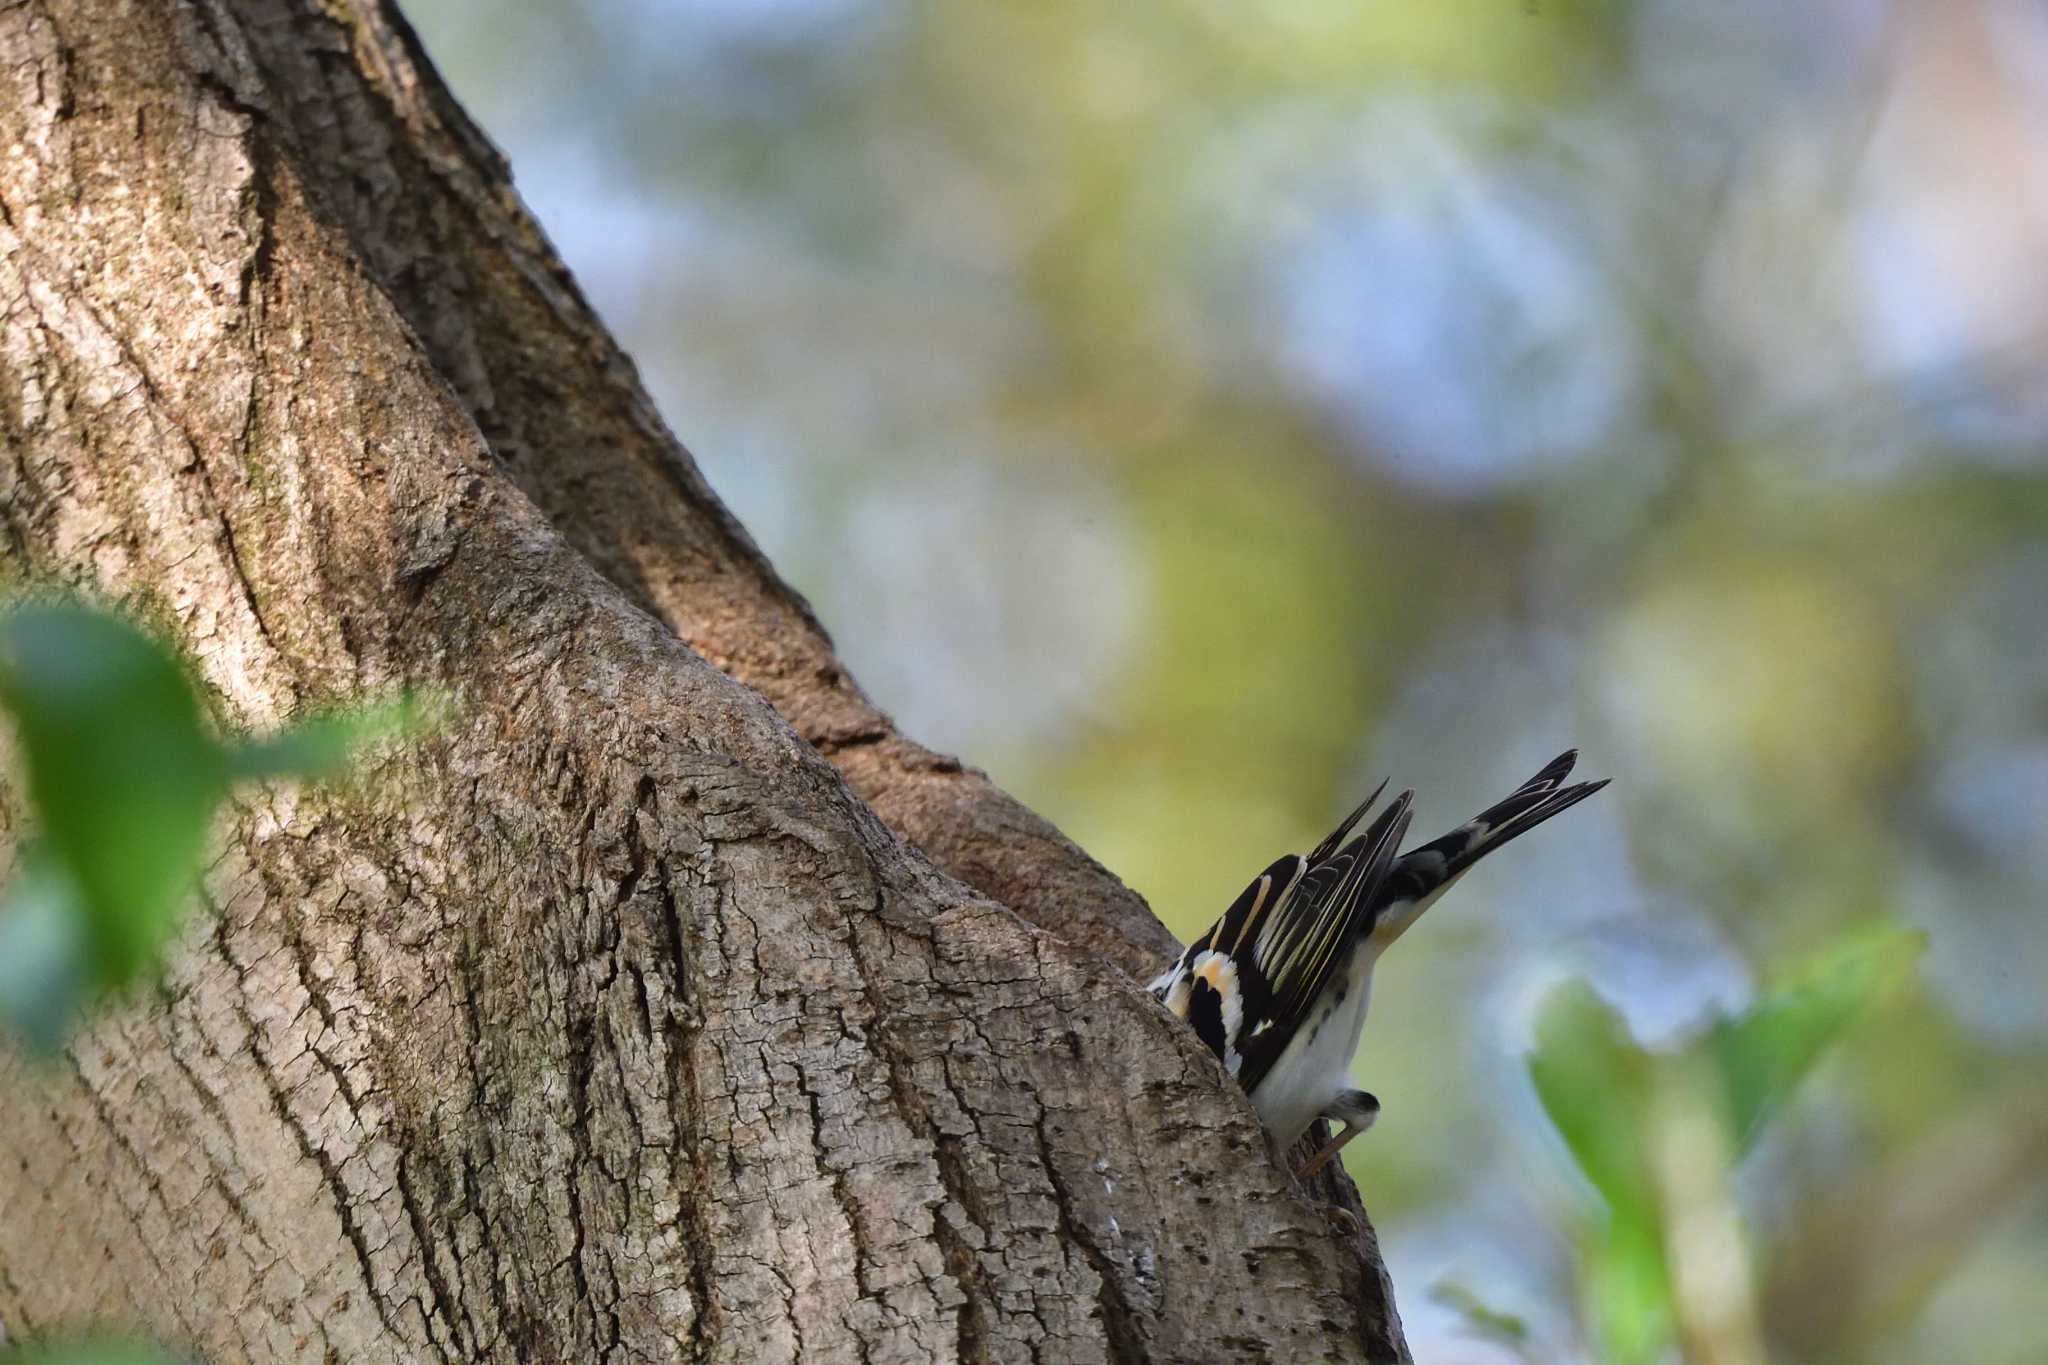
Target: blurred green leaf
x,y
1600,1089
124,780
321,747
1629,1288
1763,1055
1595,1084
1480,1319
122,775
45,954
1594,1081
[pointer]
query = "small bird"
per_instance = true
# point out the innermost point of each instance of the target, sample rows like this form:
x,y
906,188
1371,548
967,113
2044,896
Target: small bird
x,y
1278,987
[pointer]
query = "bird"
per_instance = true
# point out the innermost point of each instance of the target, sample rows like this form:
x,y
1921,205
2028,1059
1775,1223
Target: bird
x,y
1278,987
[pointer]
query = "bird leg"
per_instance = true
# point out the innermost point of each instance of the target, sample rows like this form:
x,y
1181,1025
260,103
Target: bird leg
x,y
1356,1110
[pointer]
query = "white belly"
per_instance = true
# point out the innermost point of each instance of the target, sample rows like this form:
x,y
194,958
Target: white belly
x,y
1316,1067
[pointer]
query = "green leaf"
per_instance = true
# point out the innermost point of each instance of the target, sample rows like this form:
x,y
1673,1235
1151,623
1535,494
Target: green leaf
x,y
1763,1055
1629,1291
45,955
122,774
1483,1321
1594,1084
321,747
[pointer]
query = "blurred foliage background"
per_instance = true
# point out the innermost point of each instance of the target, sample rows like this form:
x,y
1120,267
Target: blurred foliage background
x,y
1193,412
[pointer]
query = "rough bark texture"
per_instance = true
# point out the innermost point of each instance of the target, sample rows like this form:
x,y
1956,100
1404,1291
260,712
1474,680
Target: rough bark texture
x,y
609,1022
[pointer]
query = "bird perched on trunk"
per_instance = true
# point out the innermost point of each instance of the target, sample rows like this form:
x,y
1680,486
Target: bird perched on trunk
x,y
1278,987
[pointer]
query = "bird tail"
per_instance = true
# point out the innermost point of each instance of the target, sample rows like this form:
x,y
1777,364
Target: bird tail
x,y
1422,874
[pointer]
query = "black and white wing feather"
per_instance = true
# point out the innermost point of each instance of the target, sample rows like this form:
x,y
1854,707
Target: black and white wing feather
x,y
1248,983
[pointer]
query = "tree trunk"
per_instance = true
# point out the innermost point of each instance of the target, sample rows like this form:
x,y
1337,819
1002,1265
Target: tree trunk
x,y
611,1020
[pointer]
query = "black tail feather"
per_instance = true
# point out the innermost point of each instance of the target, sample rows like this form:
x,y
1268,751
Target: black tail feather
x,y
1421,871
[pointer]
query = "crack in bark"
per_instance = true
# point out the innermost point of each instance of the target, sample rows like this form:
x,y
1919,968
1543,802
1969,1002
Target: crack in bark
x,y
445,1303
910,1105
343,1201
147,1178
1126,1338
686,1104
581,1029
211,1104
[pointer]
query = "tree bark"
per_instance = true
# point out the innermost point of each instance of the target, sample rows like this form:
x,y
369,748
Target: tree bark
x,y
611,1020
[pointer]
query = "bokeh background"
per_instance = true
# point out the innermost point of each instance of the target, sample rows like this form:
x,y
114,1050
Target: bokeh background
x,y
1194,412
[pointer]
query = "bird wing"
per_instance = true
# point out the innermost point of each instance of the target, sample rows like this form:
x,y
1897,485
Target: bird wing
x,y
1247,984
